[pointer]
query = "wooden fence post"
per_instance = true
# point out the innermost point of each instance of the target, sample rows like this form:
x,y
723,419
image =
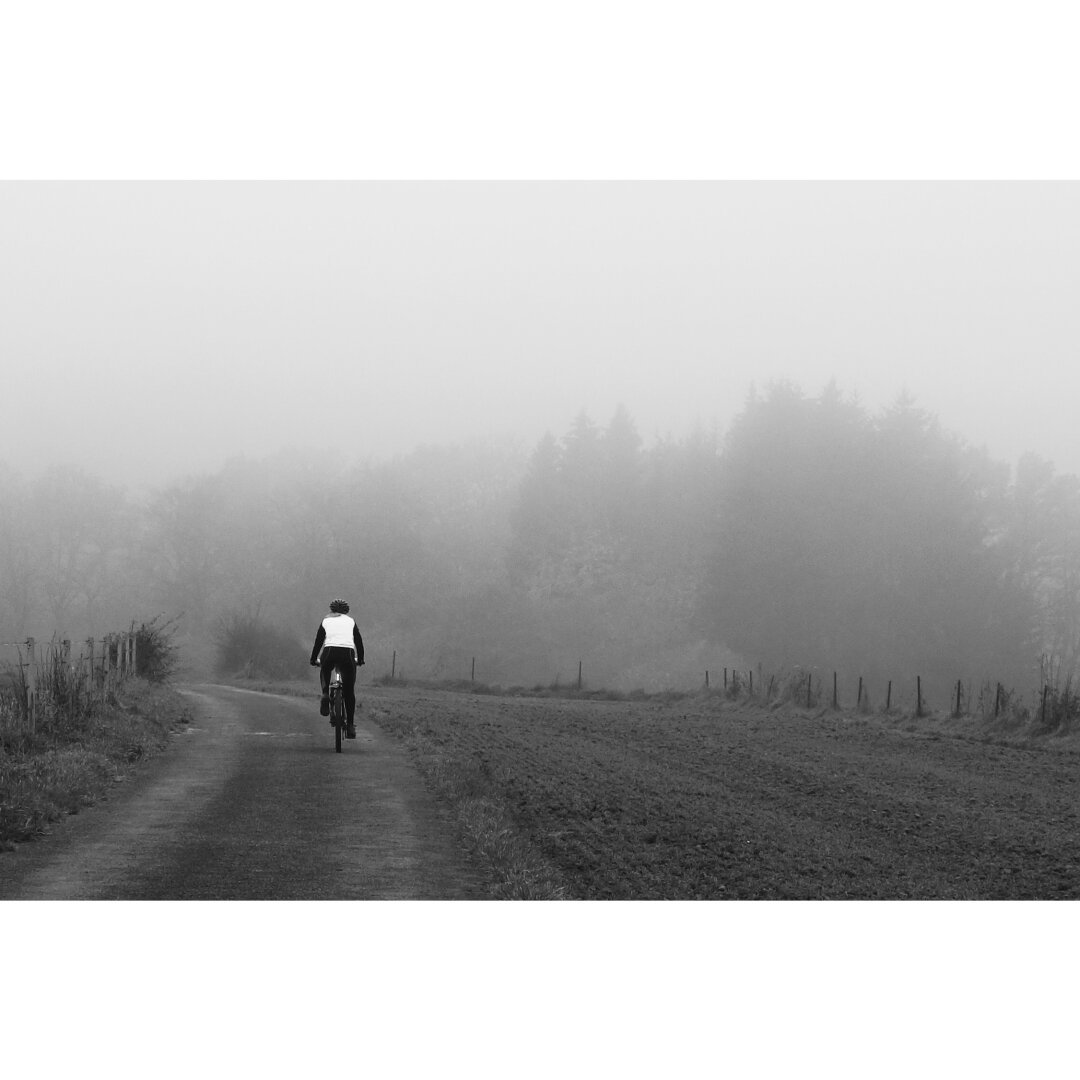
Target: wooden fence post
x,y
751,682
1042,721
579,674
90,665
706,678
858,700
31,682
918,695
69,670
809,690
957,697
393,666
997,700
888,697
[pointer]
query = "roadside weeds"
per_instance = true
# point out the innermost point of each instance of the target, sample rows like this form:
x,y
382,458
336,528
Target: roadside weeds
x,y
519,871
70,763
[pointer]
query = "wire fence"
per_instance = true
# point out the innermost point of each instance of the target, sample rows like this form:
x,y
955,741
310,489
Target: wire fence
x,y
1054,703
52,673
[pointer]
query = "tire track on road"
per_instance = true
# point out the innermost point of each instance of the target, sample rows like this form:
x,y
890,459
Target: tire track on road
x,y
251,802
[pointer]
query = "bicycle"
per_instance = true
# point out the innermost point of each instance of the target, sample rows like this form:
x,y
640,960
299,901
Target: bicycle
x,y
337,707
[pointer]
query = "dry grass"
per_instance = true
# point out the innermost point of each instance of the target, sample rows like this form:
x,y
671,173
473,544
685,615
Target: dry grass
x,y
466,786
73,759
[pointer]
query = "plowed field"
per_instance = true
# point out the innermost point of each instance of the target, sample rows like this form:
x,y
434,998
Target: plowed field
x,y
703,798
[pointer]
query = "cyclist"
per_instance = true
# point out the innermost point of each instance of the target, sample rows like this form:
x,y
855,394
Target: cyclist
x,y
338,644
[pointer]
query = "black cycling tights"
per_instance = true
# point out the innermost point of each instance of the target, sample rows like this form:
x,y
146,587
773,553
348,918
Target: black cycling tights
x,y
339,657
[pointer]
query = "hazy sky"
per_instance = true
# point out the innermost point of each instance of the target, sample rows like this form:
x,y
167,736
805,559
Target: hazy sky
x,y
150,330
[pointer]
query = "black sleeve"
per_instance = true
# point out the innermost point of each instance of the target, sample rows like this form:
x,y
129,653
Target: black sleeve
x,y
358,644
320,637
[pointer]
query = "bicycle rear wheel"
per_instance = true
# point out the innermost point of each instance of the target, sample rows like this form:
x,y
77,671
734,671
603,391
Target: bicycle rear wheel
x,y
337,711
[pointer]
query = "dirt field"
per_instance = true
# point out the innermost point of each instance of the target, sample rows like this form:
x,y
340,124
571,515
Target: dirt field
x,y
702,798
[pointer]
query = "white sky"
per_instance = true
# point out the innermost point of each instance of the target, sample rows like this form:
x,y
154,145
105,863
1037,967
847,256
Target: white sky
x,y
153,329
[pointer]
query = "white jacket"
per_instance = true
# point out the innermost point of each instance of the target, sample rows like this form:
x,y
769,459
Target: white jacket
x,y
339,631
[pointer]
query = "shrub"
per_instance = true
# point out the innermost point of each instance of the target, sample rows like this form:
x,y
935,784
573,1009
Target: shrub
x,y
155,652
1057,710
250,647
787,687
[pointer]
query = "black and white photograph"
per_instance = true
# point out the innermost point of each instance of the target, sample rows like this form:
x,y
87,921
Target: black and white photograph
x,y
628,541
414,504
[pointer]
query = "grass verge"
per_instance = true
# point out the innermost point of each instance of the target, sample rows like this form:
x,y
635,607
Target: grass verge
x,y
72,762
466,786
567,691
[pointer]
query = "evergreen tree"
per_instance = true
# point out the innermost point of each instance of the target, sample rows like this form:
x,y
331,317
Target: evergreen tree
x,y
865,545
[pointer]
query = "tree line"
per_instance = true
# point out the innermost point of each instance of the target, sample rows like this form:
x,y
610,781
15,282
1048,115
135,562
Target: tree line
x,y
813,533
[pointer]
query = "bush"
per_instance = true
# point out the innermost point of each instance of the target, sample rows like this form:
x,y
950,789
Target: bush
x,y
155,652
250,647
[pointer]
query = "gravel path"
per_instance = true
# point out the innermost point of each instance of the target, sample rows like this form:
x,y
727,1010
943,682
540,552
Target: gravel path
x,y
252,803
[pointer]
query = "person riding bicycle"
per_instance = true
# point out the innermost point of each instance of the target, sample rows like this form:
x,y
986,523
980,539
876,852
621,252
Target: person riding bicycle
x,y
338,645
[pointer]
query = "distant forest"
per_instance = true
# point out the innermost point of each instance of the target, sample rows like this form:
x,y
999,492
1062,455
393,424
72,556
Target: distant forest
x,y
813,535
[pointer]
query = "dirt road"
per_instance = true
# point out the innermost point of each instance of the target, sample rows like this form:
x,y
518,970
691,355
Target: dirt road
x,y
253,803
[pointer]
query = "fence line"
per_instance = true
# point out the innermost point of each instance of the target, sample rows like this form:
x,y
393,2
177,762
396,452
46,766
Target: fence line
x,y
1049,699
101,667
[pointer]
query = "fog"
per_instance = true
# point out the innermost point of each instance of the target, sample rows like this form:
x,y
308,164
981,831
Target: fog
x,y
156,330
652,429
